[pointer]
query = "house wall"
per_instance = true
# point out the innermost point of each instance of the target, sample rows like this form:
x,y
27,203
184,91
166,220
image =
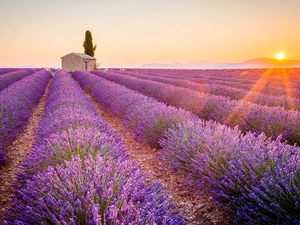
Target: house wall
x,y
91,65
71,62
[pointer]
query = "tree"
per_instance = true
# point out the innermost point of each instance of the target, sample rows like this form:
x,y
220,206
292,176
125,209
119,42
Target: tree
x,y
89,49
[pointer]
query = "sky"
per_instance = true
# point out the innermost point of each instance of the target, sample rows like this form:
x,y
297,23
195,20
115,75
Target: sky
x,y
135,32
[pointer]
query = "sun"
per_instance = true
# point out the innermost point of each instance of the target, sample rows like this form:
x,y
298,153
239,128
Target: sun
x,y
280,56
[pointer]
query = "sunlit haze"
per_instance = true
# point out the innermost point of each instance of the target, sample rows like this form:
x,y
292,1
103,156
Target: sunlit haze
x,y
38,32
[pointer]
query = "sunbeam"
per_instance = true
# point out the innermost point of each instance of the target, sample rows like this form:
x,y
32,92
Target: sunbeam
x,y
257,87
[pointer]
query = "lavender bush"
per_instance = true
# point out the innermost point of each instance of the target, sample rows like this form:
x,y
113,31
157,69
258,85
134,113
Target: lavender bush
x,y
276,199
11,77
148,118
7,70
273,121
70,126
92,192
284,101
238,170
16,103
271,82
63,145
79,173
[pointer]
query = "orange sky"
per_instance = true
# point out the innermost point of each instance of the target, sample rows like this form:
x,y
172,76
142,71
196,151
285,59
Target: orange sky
x,y
38,32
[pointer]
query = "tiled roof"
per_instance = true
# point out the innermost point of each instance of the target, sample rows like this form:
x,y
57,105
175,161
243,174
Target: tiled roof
x,y
82,55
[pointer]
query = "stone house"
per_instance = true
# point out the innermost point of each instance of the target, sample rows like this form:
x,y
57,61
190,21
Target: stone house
x,y
78,61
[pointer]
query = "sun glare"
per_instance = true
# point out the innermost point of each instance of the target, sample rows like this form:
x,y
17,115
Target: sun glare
x,y
280,56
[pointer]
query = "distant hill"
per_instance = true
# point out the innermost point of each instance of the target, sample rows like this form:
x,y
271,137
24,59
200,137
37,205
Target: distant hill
x,y
252,63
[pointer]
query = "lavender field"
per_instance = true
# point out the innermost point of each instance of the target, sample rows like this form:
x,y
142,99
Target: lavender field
x,y
232,136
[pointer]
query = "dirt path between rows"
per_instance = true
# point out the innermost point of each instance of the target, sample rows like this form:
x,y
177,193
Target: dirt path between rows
x,y
17,151
196,210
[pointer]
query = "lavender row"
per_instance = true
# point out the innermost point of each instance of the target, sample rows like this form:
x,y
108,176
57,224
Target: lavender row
x,y
78,172
11,77
252,175
138,111
263,83
226,91
261,87
273,121
245,75
6,70
270,77
256,177
16,103
286,84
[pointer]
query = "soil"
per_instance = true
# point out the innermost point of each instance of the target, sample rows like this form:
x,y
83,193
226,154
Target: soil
x,y
17,151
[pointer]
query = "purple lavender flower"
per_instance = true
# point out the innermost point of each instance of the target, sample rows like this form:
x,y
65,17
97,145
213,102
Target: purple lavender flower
x,y
78,171
219,160
276,197
234,93
61,146
248,116
11,77
148,118
91,191
16,103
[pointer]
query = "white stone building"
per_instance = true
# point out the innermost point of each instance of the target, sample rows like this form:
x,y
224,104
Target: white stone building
x,y
78,61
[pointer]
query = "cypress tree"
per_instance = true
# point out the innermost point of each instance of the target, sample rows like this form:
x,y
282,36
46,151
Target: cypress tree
x,y
89,49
